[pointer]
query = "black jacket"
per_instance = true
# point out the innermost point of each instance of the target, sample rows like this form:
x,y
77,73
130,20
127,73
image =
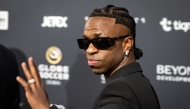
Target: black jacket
x,y
127,88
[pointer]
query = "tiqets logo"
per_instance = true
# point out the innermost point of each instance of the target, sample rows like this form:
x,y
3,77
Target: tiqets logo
x,y
137,19
173,73
55,21
4,20
168,25
54,74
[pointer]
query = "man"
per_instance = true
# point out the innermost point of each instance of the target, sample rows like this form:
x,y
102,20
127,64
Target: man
x,y
9,88
109,44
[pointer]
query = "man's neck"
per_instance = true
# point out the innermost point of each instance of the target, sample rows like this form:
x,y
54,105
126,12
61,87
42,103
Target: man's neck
x,y
125,61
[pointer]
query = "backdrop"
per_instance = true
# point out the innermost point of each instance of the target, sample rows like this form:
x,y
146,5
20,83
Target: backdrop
x,y
47,30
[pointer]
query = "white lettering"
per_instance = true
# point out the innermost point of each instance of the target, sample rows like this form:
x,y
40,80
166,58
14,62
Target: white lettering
x,y
177,25
53,82
4,20
54,75
66,69
54,21
142,20
172,73
168,70
160,69
172,70
53,68
188,70
182,70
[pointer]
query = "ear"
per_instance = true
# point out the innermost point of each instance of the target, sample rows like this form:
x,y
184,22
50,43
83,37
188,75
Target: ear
x,y
128,43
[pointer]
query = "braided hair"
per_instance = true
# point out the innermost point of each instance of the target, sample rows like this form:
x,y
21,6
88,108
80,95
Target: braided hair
x,y
122,17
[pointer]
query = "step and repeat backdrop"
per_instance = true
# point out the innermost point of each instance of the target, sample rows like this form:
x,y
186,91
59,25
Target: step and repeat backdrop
x,y
47,30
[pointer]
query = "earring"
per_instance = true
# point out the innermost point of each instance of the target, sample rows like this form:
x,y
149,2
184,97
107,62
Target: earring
x,y
127,52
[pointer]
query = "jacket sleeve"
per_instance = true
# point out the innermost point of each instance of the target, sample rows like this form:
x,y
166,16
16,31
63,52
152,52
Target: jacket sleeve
x,y
117,95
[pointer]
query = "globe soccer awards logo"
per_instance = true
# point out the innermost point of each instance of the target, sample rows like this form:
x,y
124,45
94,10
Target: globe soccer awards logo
x,y
54,73
53,55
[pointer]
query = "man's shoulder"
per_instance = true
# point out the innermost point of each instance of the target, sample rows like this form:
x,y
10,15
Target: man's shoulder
x,y
136,78
141,87
136,81
133,78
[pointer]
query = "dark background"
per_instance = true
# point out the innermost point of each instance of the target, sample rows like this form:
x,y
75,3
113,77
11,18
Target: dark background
x,y
26,37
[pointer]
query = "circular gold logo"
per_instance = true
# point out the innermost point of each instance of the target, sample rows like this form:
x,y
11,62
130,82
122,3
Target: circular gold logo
x,y
53,55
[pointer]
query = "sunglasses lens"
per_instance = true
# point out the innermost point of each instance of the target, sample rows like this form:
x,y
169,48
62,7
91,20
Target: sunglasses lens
x,y
103,43
82,43
99,43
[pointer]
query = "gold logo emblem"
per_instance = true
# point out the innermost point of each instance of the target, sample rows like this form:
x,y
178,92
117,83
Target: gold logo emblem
x,y
53,55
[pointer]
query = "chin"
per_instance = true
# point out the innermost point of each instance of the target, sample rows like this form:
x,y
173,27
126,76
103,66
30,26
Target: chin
x,y
97,71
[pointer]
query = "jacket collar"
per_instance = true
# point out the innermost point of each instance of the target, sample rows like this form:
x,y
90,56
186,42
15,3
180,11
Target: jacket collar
x,y
125,70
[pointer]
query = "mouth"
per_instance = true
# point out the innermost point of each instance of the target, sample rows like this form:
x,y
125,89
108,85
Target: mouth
x,y
93,62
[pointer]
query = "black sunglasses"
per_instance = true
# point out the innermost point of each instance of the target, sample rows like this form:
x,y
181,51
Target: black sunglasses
x,y
100,43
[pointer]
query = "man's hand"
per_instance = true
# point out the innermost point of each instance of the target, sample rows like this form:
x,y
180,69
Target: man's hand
x,y
35,91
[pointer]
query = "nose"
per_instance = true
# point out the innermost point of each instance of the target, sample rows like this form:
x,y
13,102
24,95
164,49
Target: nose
x,y
91,49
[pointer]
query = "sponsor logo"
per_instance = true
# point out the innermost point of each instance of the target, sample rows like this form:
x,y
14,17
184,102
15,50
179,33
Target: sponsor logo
x,y
4,20
140,20
55,21
137,19
173,73
53,55
54,74
168,25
